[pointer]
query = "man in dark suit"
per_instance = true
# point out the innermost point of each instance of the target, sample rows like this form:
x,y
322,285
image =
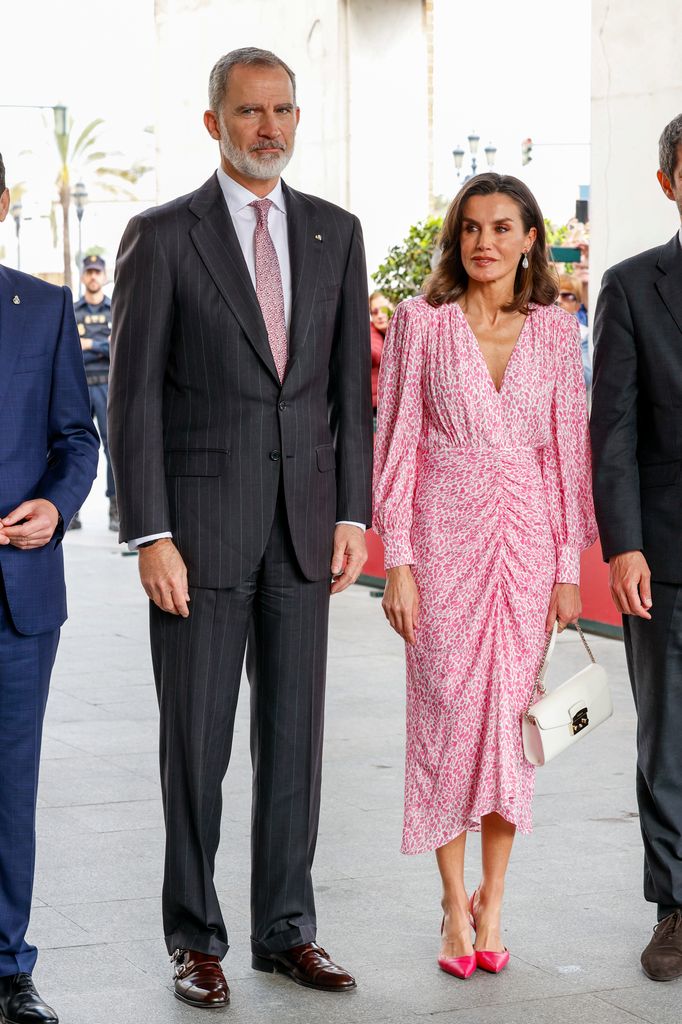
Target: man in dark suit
x,y
637,444
240,428
48,460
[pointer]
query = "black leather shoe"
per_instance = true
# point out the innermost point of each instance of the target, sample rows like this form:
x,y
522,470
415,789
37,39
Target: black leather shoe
x,y
21,1004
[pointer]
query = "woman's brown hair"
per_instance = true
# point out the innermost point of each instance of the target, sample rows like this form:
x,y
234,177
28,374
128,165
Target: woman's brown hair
x,y
449,280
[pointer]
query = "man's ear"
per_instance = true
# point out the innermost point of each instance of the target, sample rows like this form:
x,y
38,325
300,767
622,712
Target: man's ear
x,y
211,122
4,204
664,182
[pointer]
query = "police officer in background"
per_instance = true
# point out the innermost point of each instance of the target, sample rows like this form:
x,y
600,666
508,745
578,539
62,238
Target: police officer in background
x,y
93,316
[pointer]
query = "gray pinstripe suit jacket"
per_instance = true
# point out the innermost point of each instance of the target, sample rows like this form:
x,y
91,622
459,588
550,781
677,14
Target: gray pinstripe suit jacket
x,y
200,428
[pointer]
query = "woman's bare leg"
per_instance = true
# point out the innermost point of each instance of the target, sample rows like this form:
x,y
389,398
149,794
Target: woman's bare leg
x,y
456,939
497,838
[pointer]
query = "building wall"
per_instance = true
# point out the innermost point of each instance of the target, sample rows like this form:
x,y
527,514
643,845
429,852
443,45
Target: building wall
x,y
361,78
636,91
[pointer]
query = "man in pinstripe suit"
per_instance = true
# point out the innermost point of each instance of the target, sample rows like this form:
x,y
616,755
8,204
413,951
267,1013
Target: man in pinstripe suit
x,y
240,431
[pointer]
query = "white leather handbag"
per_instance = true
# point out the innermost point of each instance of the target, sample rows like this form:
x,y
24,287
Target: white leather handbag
x,y
559,719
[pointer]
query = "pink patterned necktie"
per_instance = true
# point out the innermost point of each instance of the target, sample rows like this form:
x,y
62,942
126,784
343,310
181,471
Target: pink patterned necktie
x,y
269,290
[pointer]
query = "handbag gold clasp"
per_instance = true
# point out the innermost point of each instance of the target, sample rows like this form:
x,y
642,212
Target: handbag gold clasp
x,y
580,720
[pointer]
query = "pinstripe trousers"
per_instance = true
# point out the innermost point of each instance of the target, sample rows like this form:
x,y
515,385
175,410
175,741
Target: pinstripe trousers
x,y
281,620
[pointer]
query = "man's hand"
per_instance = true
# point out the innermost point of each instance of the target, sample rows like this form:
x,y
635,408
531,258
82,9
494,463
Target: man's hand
x,y
349,548
30,525
401,602
164,577
564,606
630,583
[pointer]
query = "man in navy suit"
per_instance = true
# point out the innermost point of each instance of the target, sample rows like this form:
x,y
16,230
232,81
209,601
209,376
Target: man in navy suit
x,y
48,460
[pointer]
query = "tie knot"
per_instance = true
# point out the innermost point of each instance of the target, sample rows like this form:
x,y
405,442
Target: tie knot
x,y
262,207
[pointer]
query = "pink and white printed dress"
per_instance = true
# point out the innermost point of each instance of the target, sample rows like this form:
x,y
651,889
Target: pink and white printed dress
x,y
487,495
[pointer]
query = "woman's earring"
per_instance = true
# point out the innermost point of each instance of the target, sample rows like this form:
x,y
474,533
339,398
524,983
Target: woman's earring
x,y
524,261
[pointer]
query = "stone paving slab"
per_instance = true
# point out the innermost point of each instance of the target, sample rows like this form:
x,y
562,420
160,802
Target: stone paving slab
x,y
575,919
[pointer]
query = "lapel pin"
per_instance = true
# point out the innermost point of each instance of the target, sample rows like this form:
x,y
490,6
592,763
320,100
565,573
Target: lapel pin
x,y
318,238
16,300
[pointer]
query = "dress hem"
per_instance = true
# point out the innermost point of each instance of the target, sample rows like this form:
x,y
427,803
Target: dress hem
x,y
473,825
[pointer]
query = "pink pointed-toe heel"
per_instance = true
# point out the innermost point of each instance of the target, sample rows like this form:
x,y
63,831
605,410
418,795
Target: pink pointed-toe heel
x,y
491,962
458,966
486,959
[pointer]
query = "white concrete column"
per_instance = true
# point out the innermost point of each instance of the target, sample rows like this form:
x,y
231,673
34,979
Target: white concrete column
x,y
636,91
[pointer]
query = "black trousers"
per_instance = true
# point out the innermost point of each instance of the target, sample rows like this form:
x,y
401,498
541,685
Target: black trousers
x,y
654,656
283,620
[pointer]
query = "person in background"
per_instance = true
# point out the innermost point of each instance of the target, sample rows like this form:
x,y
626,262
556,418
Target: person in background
x,y
570,298
637,443
93,317
380,311
48,455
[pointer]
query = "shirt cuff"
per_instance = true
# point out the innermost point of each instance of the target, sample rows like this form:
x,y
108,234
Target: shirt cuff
x,y
133,545
349,522
568,565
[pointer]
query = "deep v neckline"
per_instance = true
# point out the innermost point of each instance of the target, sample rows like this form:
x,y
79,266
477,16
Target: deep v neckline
x,y
476,345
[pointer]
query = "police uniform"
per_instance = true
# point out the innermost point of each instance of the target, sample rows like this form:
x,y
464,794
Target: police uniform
x,y
94,322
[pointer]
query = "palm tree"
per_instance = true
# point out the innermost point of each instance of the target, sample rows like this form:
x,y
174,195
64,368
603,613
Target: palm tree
x,y
82,153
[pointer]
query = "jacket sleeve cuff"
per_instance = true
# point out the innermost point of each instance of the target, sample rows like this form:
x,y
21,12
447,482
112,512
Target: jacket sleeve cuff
x,y
568,565
397,549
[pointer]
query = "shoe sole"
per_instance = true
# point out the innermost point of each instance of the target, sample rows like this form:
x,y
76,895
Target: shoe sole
x,y
261,963
199,1006
652,977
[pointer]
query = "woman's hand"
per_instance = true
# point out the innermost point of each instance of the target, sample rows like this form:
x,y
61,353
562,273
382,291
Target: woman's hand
x,y
564,606
401,602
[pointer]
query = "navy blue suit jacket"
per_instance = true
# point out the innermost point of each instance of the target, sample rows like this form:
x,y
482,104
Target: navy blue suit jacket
x,y
48,444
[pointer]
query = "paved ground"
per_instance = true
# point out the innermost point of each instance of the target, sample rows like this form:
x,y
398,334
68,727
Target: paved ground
x,y
575,918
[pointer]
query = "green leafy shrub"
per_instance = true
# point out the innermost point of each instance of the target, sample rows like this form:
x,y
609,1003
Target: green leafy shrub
x,y
407,264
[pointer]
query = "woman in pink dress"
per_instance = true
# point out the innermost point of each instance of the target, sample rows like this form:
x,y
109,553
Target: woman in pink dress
x,y
483,500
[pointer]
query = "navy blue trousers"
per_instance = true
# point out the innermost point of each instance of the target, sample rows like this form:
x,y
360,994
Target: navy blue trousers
x,y
98,411
25,667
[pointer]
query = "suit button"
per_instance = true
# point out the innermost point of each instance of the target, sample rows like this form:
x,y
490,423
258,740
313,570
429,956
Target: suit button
x,y
282,406
275,456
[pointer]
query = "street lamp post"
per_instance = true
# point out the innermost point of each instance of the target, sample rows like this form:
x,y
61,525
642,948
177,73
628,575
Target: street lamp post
x,y
458,155
15,210
79,196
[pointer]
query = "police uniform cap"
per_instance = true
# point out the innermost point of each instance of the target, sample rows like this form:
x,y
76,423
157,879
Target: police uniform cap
x,y
93,263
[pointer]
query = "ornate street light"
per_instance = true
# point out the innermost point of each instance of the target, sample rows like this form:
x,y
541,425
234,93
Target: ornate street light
x,y
79,196
458,154
16,210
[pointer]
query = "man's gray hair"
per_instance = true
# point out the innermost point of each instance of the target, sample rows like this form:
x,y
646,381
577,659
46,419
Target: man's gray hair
x,y
668,155
218,80
2,176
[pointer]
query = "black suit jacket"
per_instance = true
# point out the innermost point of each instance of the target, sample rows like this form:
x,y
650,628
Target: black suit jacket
x,y
200,429
636,421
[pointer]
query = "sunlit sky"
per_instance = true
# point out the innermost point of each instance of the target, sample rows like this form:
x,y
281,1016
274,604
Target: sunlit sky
x,y
507,70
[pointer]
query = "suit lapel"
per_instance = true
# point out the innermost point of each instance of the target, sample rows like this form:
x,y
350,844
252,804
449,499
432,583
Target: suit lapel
x,y
12,326
216,242
669,286
306,243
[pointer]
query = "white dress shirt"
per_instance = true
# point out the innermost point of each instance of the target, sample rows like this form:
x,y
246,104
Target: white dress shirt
x,y
244,218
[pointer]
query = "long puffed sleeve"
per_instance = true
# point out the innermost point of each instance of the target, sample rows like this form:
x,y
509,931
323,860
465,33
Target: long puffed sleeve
x,y
400,414
566,463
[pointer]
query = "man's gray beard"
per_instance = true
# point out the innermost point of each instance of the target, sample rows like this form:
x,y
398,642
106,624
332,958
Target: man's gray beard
x,y
260,167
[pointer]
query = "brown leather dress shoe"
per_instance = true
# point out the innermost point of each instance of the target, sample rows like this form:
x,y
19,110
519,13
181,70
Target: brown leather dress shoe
x,y
199,979
307,965
662,958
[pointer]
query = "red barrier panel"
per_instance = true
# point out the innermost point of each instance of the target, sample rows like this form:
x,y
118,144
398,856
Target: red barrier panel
x,y
598,608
